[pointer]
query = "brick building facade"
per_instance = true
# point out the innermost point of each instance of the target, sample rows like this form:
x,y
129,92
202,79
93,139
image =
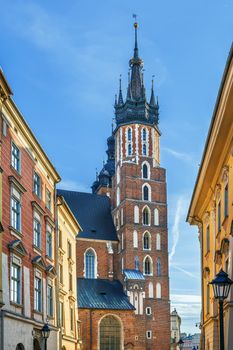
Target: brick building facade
x,y
122,251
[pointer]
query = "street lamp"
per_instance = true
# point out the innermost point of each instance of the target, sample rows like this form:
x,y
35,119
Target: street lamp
x,y
180,344
221,286
45,334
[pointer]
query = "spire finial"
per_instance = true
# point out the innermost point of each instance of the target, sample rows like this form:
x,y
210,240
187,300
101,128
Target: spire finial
x,y
136,36
120,98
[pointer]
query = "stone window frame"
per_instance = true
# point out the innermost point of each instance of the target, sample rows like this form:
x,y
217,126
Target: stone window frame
x,y
16,195
149,192
14,144
148,170
156,217
95,262
158,290
16,260
129,142
149,334
150,241
135,239
145,142
148,257
38,275
158,241
149,215
49,283
121,329
148,308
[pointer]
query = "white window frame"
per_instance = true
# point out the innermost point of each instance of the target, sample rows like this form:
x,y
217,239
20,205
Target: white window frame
x,y
148,170
16,261
16,196
13,144
149,334
149,192
148,311
95,262
39,300
156,217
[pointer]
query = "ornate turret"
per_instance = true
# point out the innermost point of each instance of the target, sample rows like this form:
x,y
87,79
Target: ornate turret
x,y
136,108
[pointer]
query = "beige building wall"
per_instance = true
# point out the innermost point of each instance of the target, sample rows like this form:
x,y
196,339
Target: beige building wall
x,y
68,229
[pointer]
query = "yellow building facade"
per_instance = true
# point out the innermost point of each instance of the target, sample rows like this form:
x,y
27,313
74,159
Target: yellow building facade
x,y
69,324
211,209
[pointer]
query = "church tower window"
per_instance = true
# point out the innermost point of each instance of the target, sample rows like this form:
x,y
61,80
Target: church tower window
x,y
158,267
145,171
158,242
148,266
90,264
135,239
146,193
156,217
158,291
129,142
136,214
146,216
146,241
110,333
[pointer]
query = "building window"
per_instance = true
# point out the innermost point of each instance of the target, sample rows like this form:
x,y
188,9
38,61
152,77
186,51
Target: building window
x,y
158,267
70,282
15,283
118,196
37,184
219,216
71,319
16,213
148,311
146,216
37,232
50,300
136,214
149,334
61,273
48,199
129,133
61,313
156,217
15,157
60,238
110,333
145,171
226,201
144,149
37,294
118,175
49,242
129,142
144,135
146,193
151,290
136,263
158,290
129,149
207,239
69,250
147,266
146,241
158,242
90,264
135,239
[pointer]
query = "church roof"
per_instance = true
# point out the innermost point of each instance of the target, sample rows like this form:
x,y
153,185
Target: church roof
x,y
93,212
102,294
133,274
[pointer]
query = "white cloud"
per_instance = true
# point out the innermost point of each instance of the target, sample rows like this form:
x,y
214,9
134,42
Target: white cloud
x,y
186,272
179,155
175,228
71,185
188,306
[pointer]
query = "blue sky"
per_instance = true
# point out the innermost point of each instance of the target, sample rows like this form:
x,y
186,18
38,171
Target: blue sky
x,y
63,60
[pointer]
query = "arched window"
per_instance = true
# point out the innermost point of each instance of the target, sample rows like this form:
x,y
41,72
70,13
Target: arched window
x,y
118,175
146,192
136,263
90,264
129,134
158,291
110,333
145,174
148,266
144,134
158,267
135,239
118,196
129,142
129,149
156,217
146,216
158,241
20,347
136,214
151,290
144,149
146,241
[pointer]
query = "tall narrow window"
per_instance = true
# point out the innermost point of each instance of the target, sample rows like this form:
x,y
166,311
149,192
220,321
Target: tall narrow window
x,y
72,319
15,157
37,232
158,242
158,291
129,149
146,216
61,313
50,300
158,266
15,213
129,133
37,294
207,239
61,273
135,239
146,241
147,266
144,148
49,242
144,142
144,135
136,214
219,215
129,142
226,201
37,184
69,250
151,290
15,283
90,264
146,192
136,263
156,217
145,171
70,281
48,200
118,196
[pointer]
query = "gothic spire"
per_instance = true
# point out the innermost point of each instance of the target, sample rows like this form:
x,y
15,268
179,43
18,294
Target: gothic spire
x,y
136,65
152,97
120,97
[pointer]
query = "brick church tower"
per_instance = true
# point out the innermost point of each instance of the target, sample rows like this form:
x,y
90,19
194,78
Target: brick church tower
x,y
136,184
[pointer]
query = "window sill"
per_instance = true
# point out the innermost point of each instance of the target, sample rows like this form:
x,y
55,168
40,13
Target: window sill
x,y
147,249
37,249
18,173
38,312
16,304
15,232
49,258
